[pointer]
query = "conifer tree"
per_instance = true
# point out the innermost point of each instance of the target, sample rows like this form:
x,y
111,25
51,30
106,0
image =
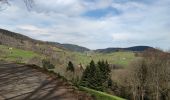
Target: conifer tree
x,y
104,70
70,66
91,77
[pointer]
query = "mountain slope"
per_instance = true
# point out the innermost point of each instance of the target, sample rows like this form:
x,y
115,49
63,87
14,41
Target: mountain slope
x,y
21,41
76,48
135,48
70,47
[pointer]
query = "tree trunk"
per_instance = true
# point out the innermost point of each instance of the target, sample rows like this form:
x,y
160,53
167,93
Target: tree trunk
x,y
134,95
157,92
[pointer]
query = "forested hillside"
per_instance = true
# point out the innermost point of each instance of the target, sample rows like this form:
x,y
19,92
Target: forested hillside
x,y
134,49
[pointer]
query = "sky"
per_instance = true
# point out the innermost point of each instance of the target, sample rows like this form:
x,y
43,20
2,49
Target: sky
x,y
93,24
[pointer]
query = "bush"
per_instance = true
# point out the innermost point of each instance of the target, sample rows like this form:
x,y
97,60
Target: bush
x,y
19,60
47,65
70,66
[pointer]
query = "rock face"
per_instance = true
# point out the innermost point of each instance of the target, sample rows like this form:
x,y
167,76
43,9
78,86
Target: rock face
x,y
22,82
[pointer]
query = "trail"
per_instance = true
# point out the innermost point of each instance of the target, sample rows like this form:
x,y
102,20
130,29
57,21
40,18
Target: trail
x,y
21,82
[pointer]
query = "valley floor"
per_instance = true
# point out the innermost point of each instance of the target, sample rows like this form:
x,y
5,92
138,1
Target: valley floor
x,y
21,82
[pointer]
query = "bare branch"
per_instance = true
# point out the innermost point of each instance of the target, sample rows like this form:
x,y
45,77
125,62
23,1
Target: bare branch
x,y
3,4
29,4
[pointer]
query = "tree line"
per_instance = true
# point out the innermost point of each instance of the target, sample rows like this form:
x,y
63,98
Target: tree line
x,y
147,78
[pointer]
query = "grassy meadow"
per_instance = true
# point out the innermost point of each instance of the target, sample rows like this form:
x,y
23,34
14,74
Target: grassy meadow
x,y
100,95
118,58
13,54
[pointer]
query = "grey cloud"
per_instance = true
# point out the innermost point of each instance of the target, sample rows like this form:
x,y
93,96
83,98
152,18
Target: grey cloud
x,y
146,25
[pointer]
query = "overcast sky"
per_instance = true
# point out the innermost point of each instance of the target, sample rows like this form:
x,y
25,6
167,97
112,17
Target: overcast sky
x,y
92,23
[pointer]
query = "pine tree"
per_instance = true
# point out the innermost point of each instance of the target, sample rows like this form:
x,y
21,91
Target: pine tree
x,y
96,76
110,83
70,66
91,77
104,70
107,70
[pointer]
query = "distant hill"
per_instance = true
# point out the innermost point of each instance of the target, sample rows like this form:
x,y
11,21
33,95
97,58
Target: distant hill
x,y
76,48
59,54
70,47
135,48
20,41
24,42
7,37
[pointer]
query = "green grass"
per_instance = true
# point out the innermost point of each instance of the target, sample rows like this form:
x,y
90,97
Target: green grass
x,y
100,95
118,58
14,54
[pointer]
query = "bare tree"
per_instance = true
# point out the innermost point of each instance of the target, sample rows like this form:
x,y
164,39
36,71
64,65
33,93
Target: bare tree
x,y
150,77
3,3
159,63
29,4
139,79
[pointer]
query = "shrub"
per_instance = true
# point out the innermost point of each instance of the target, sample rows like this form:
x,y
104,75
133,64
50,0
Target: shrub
x,y
47,65
70,66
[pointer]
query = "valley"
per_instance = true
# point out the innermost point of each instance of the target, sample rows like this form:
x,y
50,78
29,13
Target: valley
x,y
35,69
84,50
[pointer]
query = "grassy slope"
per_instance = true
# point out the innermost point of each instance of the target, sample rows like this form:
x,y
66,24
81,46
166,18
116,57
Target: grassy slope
x,y
15,54
119,58
100,95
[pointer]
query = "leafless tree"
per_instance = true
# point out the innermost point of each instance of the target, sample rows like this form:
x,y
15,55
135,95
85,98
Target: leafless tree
x,y
149,77
159,68
29,3
139,79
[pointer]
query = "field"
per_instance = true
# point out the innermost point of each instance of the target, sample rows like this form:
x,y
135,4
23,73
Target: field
x,y
118,58
13,54
100,95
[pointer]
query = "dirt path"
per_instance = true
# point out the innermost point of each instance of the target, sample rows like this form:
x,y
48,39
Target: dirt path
x,y
20,82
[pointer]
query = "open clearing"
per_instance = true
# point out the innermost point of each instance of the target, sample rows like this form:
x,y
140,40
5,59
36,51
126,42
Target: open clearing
x,y
13,54
21,82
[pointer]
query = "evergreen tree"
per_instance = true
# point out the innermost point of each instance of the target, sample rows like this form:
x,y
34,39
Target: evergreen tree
x,y
91,77
70,66
107,70
110,83
96,76
104,70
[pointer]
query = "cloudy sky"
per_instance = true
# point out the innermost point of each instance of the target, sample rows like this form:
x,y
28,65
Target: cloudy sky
x,y
91,23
